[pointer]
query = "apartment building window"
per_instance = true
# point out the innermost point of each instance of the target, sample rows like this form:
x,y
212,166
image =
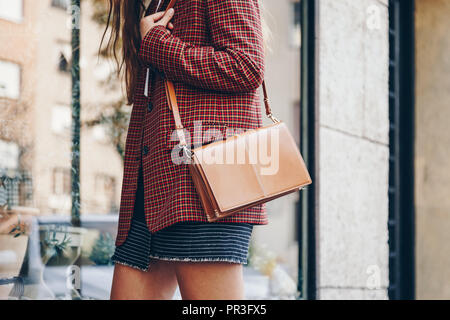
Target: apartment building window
x,y
295,32
61,181
11,10
63,53
9,155
105,187
105,184
64,65
62,4
9,80
100,134
61,119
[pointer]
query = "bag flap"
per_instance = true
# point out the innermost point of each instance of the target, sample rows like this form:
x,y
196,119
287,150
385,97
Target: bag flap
x,y
257,164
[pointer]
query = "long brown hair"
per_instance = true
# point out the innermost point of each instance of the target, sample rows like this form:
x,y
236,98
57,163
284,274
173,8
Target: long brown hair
x,y
125,36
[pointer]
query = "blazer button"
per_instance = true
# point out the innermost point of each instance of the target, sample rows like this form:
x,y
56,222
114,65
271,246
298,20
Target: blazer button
x,y
145,150
161,74
150,106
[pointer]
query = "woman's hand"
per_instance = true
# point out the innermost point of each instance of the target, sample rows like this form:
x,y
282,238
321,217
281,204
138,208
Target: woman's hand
x,y
156,19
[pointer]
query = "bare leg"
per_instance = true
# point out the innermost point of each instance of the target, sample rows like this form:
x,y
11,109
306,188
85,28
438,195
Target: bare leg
x,y
158,283
210,280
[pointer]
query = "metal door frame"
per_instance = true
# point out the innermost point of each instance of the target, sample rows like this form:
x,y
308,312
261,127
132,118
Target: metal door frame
x,y
401,222
308,204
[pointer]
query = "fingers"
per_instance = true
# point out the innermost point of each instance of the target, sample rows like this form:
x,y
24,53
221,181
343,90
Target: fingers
x,y
159,18
166,18
156,16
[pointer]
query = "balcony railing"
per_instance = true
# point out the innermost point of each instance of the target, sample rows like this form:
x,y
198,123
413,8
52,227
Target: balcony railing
x,y
16,188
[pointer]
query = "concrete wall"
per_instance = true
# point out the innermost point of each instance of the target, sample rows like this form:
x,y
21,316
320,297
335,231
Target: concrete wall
x,y
432,149
352,235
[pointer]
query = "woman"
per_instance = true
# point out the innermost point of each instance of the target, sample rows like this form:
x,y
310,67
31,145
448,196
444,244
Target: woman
x,y
212,50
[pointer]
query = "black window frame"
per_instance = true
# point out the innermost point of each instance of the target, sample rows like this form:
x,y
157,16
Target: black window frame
x,y
308,204
401,221
61,4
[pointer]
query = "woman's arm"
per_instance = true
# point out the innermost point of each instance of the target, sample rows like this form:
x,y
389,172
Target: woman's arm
x,y
235,61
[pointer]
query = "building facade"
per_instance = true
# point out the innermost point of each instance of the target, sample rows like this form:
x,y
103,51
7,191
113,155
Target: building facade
x,y
36,124
380,112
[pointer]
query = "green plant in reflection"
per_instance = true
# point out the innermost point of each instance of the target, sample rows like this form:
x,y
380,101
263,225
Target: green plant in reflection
x,y
54,245
103,250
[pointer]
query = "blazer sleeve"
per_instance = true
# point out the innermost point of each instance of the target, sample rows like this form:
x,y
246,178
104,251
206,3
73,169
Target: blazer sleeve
x,y
233,63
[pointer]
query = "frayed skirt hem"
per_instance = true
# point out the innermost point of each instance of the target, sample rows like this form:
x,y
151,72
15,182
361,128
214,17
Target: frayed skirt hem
x,y
186,259
189,259
130,265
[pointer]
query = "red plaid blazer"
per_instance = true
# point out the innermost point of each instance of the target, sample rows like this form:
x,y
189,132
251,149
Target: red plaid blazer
x,y
215,58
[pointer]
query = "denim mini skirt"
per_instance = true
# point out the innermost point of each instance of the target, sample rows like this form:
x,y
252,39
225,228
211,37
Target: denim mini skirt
x,y
183,241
